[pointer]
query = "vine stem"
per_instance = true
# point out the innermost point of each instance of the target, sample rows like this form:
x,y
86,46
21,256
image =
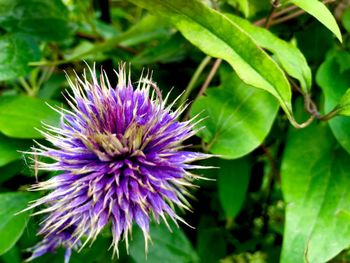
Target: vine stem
x,y
206,83
26,86
302,125
278,14
311,107
275,4
287,17
210,77
194,79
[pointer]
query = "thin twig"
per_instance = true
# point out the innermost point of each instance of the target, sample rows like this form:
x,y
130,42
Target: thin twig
x,y
26,86
278,14
274,5
206,83
262,21
194,79
288,17
211,75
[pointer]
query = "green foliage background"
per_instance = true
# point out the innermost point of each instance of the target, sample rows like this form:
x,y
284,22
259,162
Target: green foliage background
x,y
270,79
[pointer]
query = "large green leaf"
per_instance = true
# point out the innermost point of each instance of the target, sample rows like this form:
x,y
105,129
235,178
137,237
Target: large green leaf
x,y
287,55
9,149
317,9
220,37
17,50
315,184
20,116
233,183
39,18
166,246
333,78
11,225
239,117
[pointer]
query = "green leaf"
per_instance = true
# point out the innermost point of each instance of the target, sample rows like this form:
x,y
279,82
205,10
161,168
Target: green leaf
x,y
315,184
53,86
17,51
345,19
9,170
12,256
169,50
207,231
233,183
333,77
9,149
148,28
219,37
46,20
20,116
239,117
96,253
343,107
217,249
287,55
318,10
11,225
166,246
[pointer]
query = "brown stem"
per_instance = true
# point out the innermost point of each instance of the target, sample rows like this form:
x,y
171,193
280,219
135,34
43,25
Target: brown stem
x,y
277,18
276,14
274,5
206,83
287,17
211,75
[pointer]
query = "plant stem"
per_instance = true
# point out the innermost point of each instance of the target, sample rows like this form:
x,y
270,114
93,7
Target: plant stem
x,y
311,107
274,5
302,125
287,17
194,79
211,75
278,15
206,83
26,86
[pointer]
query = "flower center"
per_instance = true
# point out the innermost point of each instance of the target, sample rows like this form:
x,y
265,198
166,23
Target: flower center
x,y
111,147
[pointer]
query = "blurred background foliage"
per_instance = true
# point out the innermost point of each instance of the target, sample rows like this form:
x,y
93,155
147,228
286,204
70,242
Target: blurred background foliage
x,y
280,194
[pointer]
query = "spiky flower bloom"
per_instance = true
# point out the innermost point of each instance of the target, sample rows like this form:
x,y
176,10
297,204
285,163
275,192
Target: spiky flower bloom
x,y
121,159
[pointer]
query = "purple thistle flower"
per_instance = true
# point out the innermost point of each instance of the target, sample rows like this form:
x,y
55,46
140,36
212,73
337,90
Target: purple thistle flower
x,y
121,159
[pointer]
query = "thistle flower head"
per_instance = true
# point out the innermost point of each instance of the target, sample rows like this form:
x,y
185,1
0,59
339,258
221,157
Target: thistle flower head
x,y
121,161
